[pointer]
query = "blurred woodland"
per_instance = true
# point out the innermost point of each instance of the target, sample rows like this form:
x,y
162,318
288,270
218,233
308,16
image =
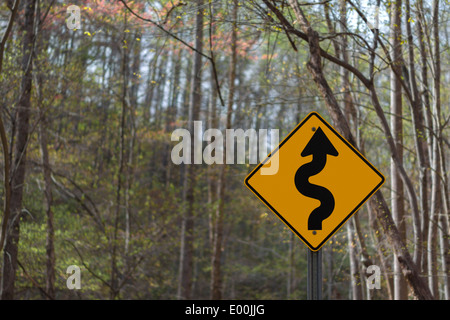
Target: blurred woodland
x,y
86,120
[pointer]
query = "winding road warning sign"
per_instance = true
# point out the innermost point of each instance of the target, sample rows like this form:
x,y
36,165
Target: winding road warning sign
x,y
322,180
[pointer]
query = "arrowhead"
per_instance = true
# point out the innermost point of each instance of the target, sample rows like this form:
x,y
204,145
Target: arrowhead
x,y
319,144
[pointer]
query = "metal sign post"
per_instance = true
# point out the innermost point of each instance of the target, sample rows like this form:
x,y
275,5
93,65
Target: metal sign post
x,y
343,181
314,283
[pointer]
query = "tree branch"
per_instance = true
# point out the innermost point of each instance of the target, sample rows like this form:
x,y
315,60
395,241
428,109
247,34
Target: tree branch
x,y
87,267
34,282
323,53
4,140
386,52
160,27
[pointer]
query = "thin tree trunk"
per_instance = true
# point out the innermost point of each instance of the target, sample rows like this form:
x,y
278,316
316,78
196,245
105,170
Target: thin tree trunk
x,y
212,123
3,138
445,197
172,109
216,276
365,258
187,230
356,283
330,268
211,172
20,156
419,130
114,287
50,246
436,203
445,255
425,112
46,171
381,249
148,101
160,90
435,211
290,285
397,197
131,100
444,230
409,269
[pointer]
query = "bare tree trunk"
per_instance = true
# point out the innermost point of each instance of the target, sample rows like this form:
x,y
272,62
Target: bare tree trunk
x,y
409,269
443,174
46,171
444,230
187,229
290,285
50,246
211,169
132,101
365,258
216,277
356,281
445,255
3,138
397,197
122,169
436,203
434,220
172,109
148,101
213,122
420,138
330,268
20,152
425,112
381,250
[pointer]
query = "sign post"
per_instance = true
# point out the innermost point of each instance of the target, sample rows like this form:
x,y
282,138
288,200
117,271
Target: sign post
x,y
314,282
320,181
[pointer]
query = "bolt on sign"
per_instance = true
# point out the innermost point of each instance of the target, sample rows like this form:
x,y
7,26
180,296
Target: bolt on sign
x,y
322,180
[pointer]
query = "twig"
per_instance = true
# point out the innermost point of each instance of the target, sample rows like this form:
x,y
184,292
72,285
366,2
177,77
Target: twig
x,y
179,4
211,59
34,282
128,274
86,266
323,53
94,214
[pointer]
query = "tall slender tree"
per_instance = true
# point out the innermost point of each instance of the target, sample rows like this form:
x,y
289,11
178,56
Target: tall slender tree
x,y
21,136
46,170
436,200
187,230
397,198
216,274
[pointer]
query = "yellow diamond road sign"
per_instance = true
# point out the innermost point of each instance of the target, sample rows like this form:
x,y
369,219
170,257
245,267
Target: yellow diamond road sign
x,y
321,181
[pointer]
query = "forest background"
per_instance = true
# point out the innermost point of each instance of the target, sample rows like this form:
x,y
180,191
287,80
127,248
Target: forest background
x,y
86,121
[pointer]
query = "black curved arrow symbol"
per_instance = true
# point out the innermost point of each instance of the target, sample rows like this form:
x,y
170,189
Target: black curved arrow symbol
x,y
319,146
